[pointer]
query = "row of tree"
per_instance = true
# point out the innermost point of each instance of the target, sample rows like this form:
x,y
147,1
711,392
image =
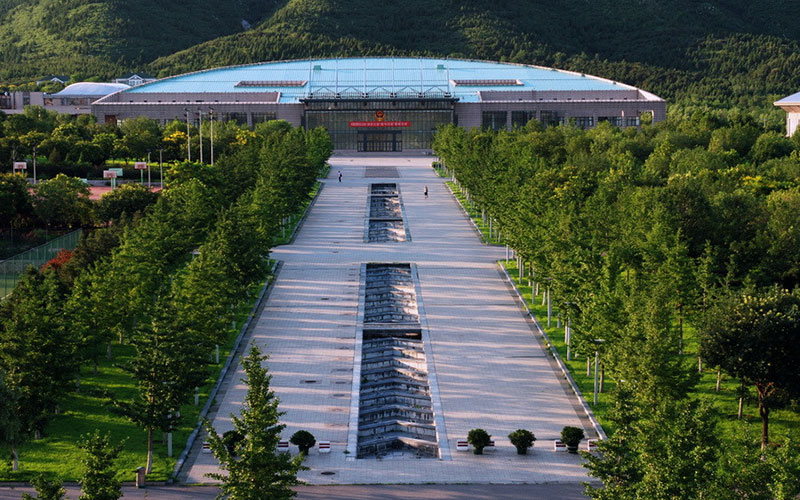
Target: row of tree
x,y
79,145
164,280
64,203
637,236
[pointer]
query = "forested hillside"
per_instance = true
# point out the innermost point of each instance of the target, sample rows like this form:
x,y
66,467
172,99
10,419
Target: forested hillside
x,y
101,38
723,51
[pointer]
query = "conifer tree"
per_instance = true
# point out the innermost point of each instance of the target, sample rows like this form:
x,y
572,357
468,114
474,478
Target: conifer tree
x,y
98,481
254,468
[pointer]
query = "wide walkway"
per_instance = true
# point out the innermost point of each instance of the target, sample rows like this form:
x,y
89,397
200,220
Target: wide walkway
x,y
490,370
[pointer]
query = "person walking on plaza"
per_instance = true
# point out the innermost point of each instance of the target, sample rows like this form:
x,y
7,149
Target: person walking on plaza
x,y
340,176
426,192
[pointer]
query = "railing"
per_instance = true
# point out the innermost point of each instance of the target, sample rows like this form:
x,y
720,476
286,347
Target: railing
x,y
12,268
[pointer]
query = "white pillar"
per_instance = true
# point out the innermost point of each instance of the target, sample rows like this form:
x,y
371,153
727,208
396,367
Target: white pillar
x,y
596,358
567,339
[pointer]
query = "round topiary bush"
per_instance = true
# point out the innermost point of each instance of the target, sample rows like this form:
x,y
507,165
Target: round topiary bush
x,y
572,436
479,439
304,440
522,440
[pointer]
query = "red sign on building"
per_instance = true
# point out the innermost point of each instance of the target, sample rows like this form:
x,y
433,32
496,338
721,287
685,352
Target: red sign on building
x,y
379,124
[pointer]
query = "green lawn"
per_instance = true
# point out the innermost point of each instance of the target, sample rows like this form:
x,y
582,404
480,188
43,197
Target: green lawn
x,y
475,215
87,409
725,401
285,237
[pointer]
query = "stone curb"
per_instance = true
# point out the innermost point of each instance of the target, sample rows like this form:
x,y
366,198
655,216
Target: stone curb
x,y
222,374
564,370
470,219
305,212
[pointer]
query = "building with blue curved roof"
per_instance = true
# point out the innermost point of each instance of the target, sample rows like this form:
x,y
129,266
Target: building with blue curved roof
x,y
385,103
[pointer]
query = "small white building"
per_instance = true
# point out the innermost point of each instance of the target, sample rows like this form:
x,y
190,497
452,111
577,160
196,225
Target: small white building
x,y
62,79
791,105
135,79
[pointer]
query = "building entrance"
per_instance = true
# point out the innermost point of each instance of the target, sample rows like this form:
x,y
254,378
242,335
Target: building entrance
x,y
380,142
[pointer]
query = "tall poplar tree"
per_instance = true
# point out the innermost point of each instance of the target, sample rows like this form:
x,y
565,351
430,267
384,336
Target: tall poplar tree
x,y
167,367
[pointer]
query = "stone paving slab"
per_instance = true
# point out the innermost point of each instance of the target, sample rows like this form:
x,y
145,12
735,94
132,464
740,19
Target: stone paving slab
x,y
491,371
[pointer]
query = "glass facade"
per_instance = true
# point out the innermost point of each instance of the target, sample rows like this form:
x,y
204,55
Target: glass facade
x,y
239,118
263,117
379,125
551,118
494,120
582,121
521,118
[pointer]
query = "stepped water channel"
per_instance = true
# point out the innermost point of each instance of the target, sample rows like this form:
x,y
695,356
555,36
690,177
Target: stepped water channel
x,y
385,222
395,416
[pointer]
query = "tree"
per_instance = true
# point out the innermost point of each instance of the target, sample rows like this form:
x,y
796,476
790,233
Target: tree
x,y
747,471
167,367
98,481
755,336
46,489
10,425
677,449
128,198
37,351
617,465
63,202
15,199
140,135
254,468
771,145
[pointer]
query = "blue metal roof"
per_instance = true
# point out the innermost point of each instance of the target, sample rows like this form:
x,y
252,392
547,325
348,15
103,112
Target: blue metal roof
x,y
377,77
792,99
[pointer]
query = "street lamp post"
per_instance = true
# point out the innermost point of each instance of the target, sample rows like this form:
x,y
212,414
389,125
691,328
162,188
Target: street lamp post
x,y
211,119
200,129
188,137
160,165
596,362
148,169
34,164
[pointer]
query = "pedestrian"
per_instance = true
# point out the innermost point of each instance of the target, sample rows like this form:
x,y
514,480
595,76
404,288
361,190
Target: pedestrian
x,y
340,176
426,192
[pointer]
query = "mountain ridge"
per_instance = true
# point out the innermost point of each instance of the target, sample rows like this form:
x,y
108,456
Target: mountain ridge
x,y
720,51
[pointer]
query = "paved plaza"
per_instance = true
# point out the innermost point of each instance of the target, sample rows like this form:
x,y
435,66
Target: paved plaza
x,y
487,368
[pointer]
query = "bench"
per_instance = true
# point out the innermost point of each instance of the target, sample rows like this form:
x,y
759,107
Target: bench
x,y
591,445
463,445
283,445
324,446
559,446
206,447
